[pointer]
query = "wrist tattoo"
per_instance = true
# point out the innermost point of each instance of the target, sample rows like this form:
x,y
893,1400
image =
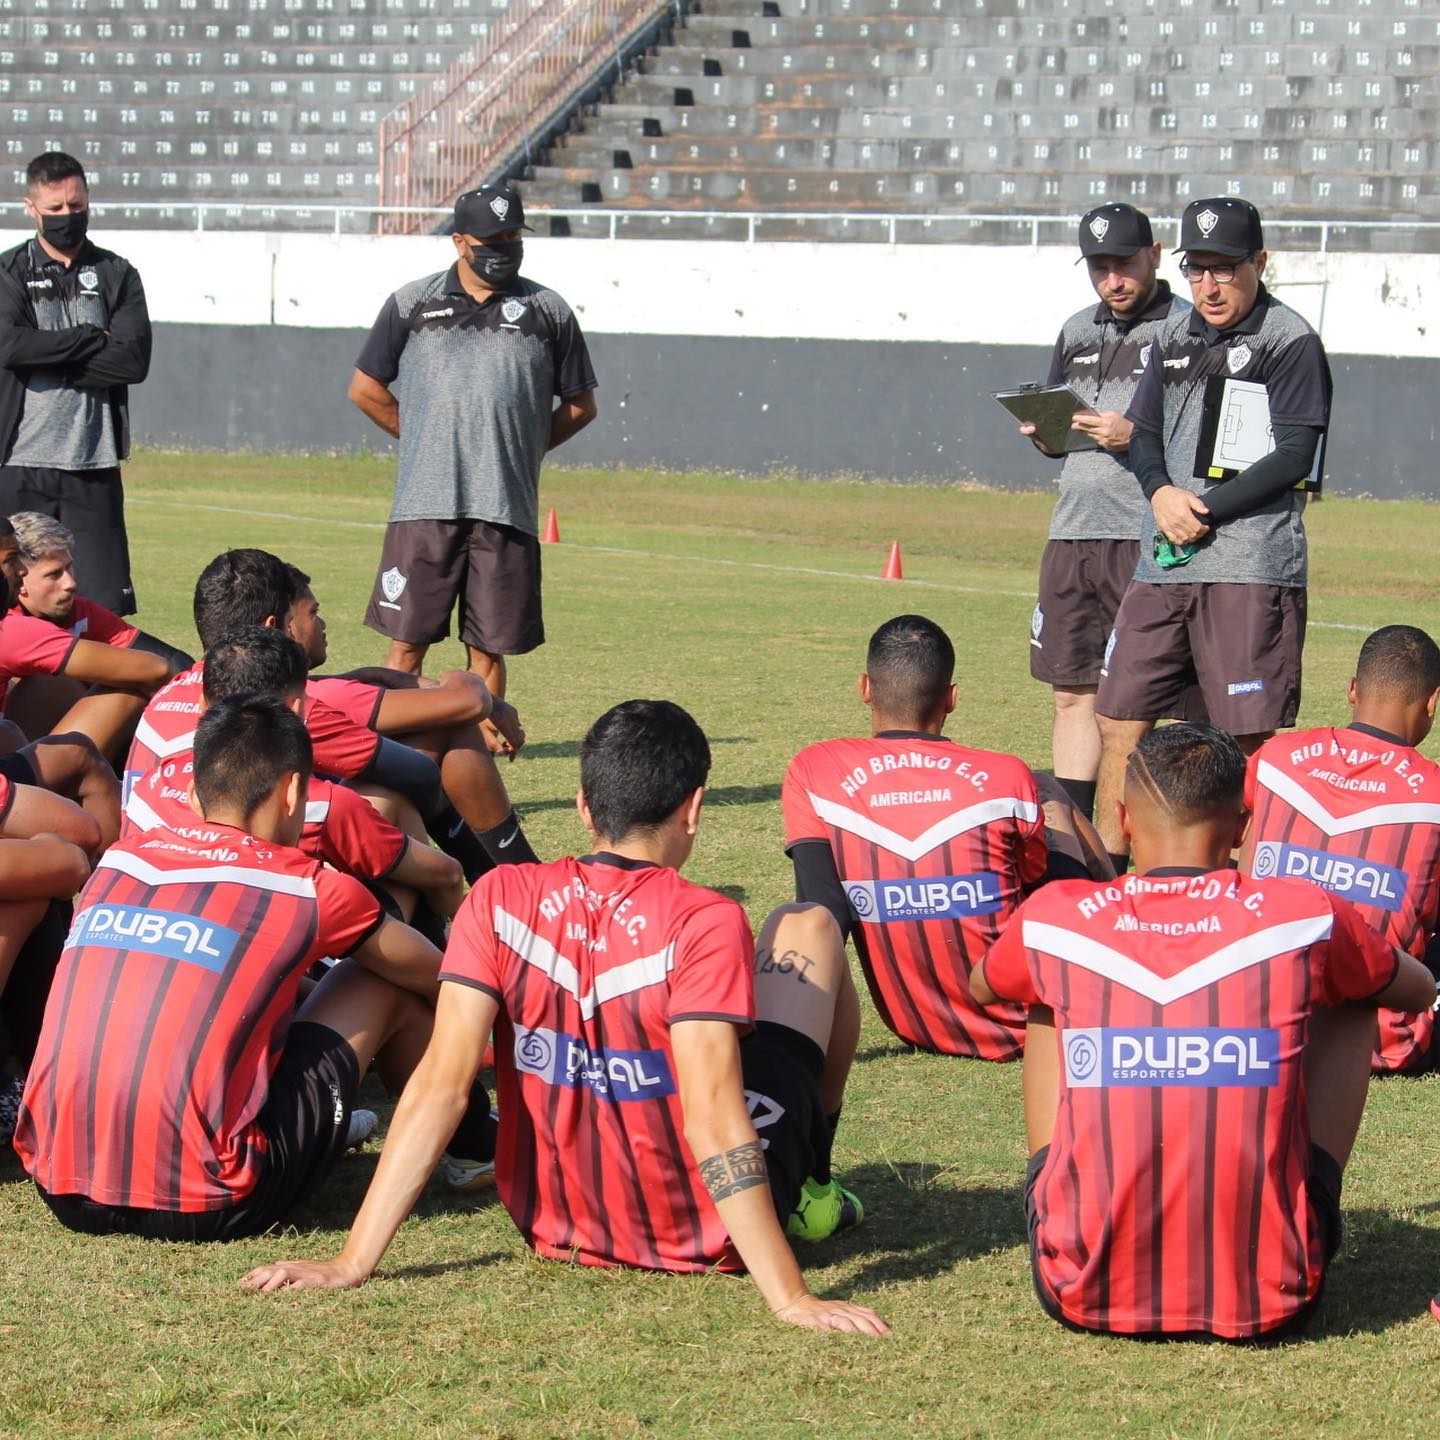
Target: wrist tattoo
x,y
739,1169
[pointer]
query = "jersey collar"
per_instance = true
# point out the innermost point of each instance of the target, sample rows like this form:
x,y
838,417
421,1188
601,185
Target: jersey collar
x,y
1376,733
1250,325
911,735
1177,870
1158,309
39,260
620,862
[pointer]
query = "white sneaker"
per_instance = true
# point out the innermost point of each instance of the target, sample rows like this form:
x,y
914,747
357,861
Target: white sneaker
x,y
362,1127
467,1175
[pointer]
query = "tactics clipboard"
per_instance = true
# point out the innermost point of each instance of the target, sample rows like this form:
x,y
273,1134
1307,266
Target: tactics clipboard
x,y
1235,432
1049,408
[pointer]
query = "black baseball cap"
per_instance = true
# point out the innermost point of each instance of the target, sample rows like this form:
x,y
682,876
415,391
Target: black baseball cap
x,y
1114,229
488,211
1225,226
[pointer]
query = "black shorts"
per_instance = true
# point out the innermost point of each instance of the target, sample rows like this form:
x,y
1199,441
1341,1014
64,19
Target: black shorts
x,y
1082,583
780,1069
492,570
91,504
1324,1194
1242,643
306,1120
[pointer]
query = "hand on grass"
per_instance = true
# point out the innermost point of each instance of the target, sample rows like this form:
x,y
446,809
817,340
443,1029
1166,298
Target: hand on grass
x,y
813,1313
302,1275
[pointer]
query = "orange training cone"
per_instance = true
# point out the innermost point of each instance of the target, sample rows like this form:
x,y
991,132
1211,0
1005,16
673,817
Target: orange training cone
x,y
552,530
892,569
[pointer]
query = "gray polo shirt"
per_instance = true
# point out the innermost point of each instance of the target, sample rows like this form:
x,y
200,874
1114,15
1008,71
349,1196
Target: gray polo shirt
x,y
61,427
1273,346
1102,359
476,383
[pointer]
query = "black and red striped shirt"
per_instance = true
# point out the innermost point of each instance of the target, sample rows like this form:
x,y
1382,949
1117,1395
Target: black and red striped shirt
x,y
935,844
1356,811
168,1014
592,961
1174,1197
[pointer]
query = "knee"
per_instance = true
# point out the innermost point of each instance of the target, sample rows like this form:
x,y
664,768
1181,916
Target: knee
x,y
1074,702
809,929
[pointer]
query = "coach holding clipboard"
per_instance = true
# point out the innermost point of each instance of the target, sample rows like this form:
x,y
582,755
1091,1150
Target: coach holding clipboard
x,y
1219,591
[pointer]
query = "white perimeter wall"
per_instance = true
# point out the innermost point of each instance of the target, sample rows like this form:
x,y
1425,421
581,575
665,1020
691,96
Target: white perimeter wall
x,y
1363,304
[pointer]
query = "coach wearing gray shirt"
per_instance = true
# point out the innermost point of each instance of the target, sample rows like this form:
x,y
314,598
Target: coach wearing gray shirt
x,y
1219,593
465,368
74,335
1091,552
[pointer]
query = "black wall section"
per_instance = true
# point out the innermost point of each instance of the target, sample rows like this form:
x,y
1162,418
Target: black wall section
x,y
905,411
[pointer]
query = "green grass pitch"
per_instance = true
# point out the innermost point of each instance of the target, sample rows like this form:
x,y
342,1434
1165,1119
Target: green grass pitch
x,y
750,603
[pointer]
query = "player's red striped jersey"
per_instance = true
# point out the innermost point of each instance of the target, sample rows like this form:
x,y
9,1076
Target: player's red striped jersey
x,y
92,621
168,1014
592,961
167,727
356,700
1356,811
934,844
1175,1194
341,828
29,646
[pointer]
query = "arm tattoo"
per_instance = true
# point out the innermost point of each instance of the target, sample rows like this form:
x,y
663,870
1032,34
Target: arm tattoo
x,y
736,1170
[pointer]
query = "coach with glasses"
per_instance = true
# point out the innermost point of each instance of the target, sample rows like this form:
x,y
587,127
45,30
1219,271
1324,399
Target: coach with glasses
x,y
1219,591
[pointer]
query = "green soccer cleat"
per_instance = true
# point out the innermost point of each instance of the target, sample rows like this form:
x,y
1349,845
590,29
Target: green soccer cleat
x,y
822,1210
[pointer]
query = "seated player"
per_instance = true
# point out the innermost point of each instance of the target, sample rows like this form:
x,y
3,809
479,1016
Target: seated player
x,y
441,719
341,828
1215,1031
641,1045
210,1105
1356,808
922,848
118,681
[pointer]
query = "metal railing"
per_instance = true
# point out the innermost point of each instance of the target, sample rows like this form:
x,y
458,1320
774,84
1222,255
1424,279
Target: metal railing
x,y
878,227
484,108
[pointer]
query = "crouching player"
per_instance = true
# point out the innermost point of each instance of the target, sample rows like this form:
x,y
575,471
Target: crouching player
x,y
176,1092
1197,1065
1356,808
642,1049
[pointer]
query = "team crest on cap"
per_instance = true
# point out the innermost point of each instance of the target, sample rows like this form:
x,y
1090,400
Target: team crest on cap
x,y
89,279
1207,220
392,582
1098,226
1238,358
512,310
501,206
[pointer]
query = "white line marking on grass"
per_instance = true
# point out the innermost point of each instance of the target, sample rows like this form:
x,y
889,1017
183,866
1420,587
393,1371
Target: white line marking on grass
x,y
659,555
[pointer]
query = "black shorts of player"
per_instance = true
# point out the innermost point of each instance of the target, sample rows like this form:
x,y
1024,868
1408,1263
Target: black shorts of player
x,y
306,1120
492,570
780,1069
90,504
1082,583
1241,643
1324,1194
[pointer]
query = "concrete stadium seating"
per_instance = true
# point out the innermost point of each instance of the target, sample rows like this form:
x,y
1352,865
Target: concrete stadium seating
x,y
1315,109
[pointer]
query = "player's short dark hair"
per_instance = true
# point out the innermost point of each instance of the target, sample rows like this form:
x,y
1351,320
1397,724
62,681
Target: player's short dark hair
x,y
301,579
639,763
7,530
1399,660
1198,771
51,167
911,663
253,660
241,587
243,747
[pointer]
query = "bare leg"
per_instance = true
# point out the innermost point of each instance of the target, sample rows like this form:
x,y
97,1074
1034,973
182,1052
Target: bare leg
x,y
1251,743
37,702
12,738
468,773
1040,1076
1337,1075
109,719
17,919
1117,739
382,1023
1075,742
489,667
1068,832
405,656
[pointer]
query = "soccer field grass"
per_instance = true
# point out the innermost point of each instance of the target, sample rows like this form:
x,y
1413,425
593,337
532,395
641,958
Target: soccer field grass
x,y
749,602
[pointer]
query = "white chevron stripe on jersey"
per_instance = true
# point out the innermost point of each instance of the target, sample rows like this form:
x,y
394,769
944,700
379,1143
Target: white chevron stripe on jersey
x,y
1002,807
623,979
1277,782
1100,959
256,879
140,815
158,745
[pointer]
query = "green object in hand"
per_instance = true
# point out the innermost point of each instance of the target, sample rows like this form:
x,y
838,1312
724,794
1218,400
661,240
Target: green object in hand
x,y
1168,556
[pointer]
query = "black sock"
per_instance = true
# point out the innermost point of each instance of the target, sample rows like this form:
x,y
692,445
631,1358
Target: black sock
x,y
474,1137
1119,863
459,842
822,1160
1082,792
506,844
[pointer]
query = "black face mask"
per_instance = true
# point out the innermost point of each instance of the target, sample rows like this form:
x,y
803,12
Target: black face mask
x,y
498,265
66,232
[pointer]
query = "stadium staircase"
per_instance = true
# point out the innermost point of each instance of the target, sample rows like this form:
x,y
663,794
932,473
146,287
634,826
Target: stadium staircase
x,y
1316,109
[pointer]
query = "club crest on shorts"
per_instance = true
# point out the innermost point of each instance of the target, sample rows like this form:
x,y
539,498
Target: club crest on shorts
x,y
512,310
1238,358
392,584
1098,226
501,206
89,280
1037,623
1207,220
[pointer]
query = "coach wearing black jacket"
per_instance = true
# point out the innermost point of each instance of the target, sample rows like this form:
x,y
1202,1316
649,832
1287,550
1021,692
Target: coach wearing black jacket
x,y
74,333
